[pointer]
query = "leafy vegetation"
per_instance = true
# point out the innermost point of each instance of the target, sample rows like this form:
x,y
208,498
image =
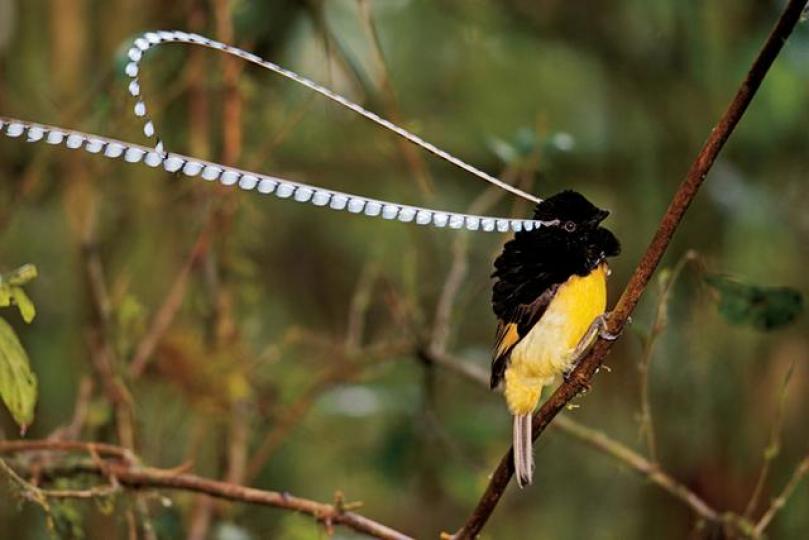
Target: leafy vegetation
x,y
763,308
18,385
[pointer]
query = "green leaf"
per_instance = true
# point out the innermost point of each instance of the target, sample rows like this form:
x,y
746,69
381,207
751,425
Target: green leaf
x,y
22,275
24,304
11,291
763,308
18,384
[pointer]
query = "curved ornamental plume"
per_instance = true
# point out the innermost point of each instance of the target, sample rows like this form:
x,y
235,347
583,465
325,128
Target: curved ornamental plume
x,y
281,187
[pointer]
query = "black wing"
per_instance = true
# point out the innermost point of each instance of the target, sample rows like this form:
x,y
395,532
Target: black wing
x,y
528,273
511,331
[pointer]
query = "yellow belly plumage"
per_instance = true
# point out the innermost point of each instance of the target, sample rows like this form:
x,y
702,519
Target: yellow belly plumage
x,y
548,349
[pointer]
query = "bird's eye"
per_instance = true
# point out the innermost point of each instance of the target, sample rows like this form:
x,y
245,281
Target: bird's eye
x,y
569,226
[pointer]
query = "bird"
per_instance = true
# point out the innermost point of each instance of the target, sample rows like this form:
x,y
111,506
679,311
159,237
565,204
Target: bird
x,y
549,296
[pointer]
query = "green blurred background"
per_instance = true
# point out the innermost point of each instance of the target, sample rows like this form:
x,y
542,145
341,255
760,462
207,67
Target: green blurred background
x,y
300,327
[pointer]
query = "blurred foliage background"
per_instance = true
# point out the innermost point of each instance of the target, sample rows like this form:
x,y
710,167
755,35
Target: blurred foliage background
x,y
290,361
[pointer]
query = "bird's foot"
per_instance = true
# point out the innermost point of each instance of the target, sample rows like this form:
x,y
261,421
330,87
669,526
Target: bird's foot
x,y
602,321
598,328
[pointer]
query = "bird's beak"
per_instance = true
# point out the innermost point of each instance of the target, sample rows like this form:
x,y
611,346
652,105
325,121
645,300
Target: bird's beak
x,y
600,216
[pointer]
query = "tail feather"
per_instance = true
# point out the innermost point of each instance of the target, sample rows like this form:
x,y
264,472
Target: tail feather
x,y
523,450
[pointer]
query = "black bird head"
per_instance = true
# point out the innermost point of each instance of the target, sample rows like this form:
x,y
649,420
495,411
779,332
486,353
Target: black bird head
x,y
573,211
537,259
599,243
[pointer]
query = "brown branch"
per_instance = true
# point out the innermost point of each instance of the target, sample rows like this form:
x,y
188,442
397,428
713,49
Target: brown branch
x,y
584,372
171,305
640,464
135,477
413,159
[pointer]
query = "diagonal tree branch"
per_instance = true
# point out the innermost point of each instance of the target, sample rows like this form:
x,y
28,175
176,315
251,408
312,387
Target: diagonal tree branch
x,y
584,372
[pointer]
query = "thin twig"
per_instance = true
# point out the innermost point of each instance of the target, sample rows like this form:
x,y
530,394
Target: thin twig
x,y
800,472
469,370
83,396
199,120
358,309
232,100
584,372
658,325
291,121
95,492
415,162
102,357
28,490
169,308
104,362
640,464
102,353
773,447
460,264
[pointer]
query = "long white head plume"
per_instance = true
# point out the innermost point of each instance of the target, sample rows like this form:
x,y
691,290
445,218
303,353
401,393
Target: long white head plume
x,y
281,187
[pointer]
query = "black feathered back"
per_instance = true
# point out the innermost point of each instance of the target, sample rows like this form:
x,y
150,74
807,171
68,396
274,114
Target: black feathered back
x,y
530,263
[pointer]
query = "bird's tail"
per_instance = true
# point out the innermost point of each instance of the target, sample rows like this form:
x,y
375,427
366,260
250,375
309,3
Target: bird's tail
x,y
523,449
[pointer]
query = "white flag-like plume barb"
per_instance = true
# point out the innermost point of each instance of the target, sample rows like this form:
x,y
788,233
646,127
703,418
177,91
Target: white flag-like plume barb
x,y
248,180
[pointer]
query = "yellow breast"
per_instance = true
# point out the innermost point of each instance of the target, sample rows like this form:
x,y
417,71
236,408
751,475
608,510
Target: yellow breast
x,y
547,351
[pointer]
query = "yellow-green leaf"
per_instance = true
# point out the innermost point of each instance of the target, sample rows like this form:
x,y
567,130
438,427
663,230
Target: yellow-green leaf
x,y
763,308
24,304
18,384
22,275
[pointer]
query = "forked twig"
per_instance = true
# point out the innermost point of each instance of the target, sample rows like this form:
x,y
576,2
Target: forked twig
x,y
137,477
777,503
